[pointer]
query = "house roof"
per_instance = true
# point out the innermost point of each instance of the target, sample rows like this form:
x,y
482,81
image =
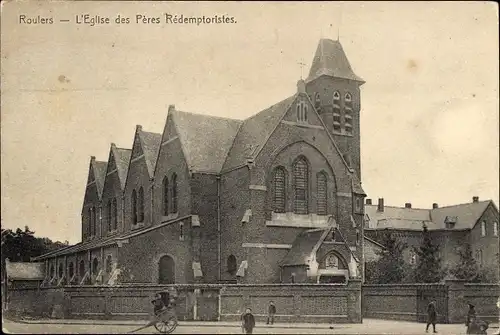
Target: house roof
x,y
331,60
302,247
466,216
24,270
150,146
369,240
205,139
254,132
100,175
122,160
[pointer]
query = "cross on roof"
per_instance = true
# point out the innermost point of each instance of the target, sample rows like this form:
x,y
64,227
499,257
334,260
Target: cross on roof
x,y
302,64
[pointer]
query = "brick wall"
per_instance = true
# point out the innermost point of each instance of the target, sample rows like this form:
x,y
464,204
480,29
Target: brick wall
x,y
294,302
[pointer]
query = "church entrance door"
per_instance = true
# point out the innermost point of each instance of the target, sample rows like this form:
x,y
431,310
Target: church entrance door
x,y
166,270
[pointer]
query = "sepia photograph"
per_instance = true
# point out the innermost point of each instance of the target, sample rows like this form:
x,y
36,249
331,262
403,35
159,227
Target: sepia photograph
x,y
237,167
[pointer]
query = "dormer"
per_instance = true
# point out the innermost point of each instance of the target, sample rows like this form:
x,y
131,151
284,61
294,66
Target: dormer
x,y
450,222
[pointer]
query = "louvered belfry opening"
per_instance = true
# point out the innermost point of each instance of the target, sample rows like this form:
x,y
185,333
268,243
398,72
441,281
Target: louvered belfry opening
x,y
279,190
322,194
300,172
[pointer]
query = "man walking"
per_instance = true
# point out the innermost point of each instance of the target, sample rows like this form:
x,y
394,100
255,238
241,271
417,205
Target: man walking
x,y
271,312
247,321
431,316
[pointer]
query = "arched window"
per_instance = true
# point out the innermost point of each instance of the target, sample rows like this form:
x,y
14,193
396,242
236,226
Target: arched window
x,y
110,215
301,180
317,100
174,193
94,221
166,270
52,271
279,198
322,194
61,271
109,264
413,257
348,112
95,266
115,214
134,207
495,228
483,228
165,196
82,268
71,270
140,205
89,226
302,111
231,265
336,111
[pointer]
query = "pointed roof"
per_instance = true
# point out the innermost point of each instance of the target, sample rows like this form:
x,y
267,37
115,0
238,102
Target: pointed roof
x,y
122,160
99,175
303,247
331,60
254,133
150,146
205,139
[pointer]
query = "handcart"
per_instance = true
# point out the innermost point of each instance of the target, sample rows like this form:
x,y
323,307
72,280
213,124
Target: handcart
x,y
165,319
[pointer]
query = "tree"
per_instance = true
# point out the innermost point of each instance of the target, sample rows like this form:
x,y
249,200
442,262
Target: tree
x,y
428,269
390,268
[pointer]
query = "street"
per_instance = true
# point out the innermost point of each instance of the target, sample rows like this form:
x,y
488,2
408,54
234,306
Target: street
x,y
370,326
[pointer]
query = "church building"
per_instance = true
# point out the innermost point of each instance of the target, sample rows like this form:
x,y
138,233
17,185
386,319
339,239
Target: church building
x,y
275,198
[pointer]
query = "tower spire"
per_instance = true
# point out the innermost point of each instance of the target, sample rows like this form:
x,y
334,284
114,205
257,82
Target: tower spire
x,y
301,63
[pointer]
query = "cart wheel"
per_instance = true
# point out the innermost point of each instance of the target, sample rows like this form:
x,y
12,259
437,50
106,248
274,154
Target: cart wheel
x,y
167,326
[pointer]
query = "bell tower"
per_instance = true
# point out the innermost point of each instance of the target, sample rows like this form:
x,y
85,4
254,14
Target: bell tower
x,y
334,89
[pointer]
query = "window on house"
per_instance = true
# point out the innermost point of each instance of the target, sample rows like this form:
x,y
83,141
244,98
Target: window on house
x,y
231,265
109,264
82,268
359,204
115,214
495,228
301,174
89,222
358,237
413,257
322,194
479,257
165,196
134,207
140,205
317,100
94,221
483,228
279,190
181,231
292,279
110,215
52,271
61,271
348,113
174,193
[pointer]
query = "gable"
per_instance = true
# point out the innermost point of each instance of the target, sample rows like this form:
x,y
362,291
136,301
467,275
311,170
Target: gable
x,y
137,147
292,114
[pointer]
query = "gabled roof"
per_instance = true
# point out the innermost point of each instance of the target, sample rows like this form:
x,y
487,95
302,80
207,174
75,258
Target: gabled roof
x,y
24,270
122,160
150,145
466,215
331,60
254,132
205,140
302,247
100,175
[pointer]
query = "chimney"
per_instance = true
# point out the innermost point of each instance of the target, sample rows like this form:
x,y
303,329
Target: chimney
x,y
408,205
368,201
435,205
138,127
301,86
475,199
380,205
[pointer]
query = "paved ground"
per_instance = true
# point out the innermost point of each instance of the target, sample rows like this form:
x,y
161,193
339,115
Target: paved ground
x,y
369,326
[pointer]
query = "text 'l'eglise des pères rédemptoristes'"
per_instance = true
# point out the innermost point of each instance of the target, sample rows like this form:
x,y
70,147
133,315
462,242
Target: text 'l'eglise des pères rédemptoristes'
x,y
95,20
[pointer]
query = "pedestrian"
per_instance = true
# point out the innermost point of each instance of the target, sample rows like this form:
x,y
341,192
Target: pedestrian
x,y
247,322
431,316
474,324
271,312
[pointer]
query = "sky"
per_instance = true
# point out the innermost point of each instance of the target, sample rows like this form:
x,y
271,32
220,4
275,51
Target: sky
x,y
429,107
